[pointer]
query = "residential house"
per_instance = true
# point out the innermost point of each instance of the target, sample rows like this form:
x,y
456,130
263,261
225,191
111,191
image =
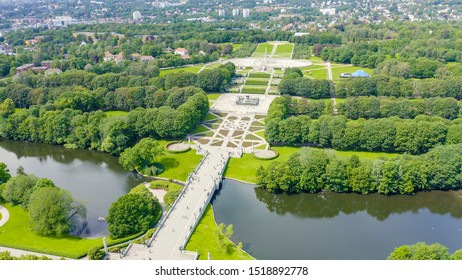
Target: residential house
x,y
183,52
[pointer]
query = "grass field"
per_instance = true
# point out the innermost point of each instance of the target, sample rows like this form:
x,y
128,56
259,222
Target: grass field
x,y
213,96
200,128
115,114
284,51
259,75
192,69
236,47
253,89
315,72
245,168
337,69
260,50
16,233
206,239
178,166
261,82
315,59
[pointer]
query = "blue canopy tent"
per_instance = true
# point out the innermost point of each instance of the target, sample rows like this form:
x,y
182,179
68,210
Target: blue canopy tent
x,y
360,73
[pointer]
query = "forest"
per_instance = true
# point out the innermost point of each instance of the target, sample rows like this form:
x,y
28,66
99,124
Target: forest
x,y
313,170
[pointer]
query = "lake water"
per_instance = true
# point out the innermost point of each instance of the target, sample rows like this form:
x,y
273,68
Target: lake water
x,y
336,226
271,226
95,178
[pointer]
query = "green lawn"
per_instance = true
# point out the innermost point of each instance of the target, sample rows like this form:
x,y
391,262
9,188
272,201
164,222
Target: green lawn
x,y
245,168
261,134
315,59
259,75
192,69
200,128
316,73
284,50
210,117
213,96
254,81
260,50
177,166
205,239
254,89
337,69
365,155
17,234
236,47
115,114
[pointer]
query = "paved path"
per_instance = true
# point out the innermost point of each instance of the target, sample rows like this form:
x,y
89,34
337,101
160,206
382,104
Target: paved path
x,y
5,215
329,70
329,76
179,224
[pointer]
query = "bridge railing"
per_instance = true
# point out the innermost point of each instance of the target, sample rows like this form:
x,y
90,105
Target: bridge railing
x,y
212,187
162,221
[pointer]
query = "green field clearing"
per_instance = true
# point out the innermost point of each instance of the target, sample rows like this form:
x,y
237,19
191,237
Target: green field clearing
x,y
261,133
285,48
284,51
337,69
199,129
213,96
259,75
253,89
115,114
192,69
236,47
261,82
206,239
16,233
260,50
178,166
340,100
315,60
319,73
245,168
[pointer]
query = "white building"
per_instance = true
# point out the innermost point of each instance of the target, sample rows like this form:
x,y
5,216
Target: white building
x,y
221,12
62,21
246,13
235,12
136,15
328,11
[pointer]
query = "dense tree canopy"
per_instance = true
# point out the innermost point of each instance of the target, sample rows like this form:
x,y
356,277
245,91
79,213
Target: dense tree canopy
x,y
133,213
53,212
4,173
421,251
142,156
313,170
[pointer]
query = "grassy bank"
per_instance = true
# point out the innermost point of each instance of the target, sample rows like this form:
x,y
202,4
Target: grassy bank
x,y
244,168
16,233
206,239
178,166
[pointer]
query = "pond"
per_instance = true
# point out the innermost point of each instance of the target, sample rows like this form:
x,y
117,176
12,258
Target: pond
x,y
95,178
330,225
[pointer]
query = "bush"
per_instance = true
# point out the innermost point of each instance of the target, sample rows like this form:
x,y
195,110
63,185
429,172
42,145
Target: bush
x,y
132,213
96,254
170,197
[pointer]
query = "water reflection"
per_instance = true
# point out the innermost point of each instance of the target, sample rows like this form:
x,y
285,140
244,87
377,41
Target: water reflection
x,y
329,204
336,226
95,178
